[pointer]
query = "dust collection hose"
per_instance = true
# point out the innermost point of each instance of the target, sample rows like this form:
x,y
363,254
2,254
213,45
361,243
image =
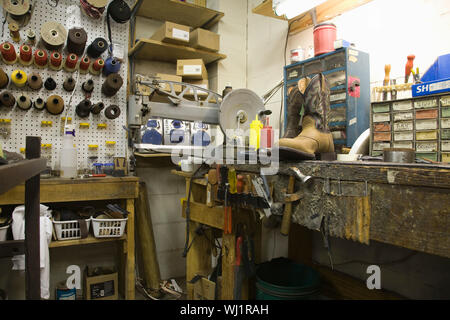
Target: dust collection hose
x,y
55,105
24,102
7,99
19,78
35,81
112,85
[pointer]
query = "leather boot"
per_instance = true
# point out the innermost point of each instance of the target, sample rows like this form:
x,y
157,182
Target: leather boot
x,y
315,137
295,104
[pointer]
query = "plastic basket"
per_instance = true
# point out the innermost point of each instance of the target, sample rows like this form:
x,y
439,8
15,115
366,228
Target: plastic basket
x,y
109,228
69,230
4,232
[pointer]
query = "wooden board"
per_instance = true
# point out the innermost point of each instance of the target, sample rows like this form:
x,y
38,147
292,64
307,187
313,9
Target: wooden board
x,y
178,12
89,240
265,9
147,49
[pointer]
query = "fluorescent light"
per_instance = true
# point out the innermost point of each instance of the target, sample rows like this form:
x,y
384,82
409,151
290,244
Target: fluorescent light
x,y
293,8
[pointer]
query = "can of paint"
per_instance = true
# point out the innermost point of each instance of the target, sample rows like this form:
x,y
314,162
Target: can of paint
x,y
297,55
324,36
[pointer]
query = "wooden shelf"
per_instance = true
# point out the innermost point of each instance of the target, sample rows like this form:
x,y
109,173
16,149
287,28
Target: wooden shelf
x,y
324,12
147,49
178,12
89,240
152,155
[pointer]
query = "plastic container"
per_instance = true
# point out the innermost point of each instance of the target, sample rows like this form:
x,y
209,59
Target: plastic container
x,y
98,168
108,168
109,228
255,133
4,232
68,159
324,36
69,230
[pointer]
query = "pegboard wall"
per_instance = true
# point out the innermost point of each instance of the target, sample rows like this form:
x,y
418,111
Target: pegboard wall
x,y
29,123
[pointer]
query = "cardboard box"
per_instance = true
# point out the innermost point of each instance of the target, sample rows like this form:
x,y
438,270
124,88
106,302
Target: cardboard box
x,y
204,40
100,287
169,77
192,69
172,33
199,83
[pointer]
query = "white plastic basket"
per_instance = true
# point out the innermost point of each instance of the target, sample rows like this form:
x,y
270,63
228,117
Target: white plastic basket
x,y
109,228
4,232
69,230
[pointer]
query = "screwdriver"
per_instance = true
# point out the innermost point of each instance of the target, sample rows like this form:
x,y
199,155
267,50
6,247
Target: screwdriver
x,y
409,66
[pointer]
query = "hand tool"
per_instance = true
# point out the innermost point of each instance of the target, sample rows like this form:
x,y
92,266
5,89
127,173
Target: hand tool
x,y
223,173
409,66
240,196
263,199
227,212
238,272
387,71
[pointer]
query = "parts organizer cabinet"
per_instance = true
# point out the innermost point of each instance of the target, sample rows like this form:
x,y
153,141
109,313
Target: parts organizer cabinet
x,y
349,116
124,190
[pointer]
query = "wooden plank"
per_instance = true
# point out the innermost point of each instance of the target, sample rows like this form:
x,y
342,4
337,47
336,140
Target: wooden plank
x,y
14,174
130,260
411,217
178,12
148,49
228,261
265,9
77,242
201,213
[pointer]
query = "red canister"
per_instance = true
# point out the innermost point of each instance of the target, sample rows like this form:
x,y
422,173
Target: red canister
x,y
324,36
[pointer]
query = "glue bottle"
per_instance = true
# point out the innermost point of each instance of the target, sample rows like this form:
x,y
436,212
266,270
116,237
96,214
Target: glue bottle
x,y
267,136
255,133
68,159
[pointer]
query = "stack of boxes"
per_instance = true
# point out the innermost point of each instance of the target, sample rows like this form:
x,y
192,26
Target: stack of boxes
x,y
422,124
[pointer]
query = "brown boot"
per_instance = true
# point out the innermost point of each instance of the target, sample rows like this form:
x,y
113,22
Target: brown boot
x,y
295,103
315,137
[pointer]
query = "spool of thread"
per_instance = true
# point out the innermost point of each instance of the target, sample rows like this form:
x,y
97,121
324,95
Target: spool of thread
x,y
83,109
97,47
35,81
119,11
71,62
85,63
19,78
97,108
69,84
14,31
76,41
53,35
4,79
112,65
24,102
31,37
41,58
55,105
7,99
112,84
9,55
97,67
25,55
56,61
50,84
93,9
39,104
112,112
88,86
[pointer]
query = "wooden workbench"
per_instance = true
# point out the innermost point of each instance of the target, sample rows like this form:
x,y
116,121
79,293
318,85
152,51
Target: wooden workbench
x,y
125,190
406,205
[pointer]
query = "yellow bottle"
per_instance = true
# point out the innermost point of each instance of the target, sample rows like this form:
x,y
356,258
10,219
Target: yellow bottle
x,y
255,133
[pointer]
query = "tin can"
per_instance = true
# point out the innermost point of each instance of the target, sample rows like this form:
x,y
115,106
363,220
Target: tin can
x,y
297,55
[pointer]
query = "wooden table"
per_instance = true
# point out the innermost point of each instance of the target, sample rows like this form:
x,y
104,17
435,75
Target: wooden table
x,y
58,190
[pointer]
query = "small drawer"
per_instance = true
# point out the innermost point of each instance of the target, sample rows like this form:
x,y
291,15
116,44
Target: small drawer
x,y
445,101
402,105
427,146
404,136
446,157
427,114
426,125
445,112
381,117
338,97
426,104
445,123
380,146
427,135
313,67
445,145
404,145
427,156
382,127
381,136
404,126
379,108
403,116
445,134
377,153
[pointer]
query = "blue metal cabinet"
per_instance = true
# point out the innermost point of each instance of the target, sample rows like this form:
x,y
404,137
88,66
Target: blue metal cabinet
x,y
348,72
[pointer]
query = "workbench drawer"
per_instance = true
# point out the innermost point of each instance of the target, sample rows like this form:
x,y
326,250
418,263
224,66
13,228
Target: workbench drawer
x,y
382,136
382,127
379,108
426,124
428,156
402,105
313,67
427,135
427,146
445,112
404,145
427,114
336,79
381,117
445,123
445,134
445,101
426,104
404,126
446,157
404,136
402,116
380,146
338,97
445,145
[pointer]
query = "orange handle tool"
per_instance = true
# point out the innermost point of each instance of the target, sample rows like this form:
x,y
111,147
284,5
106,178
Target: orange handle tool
x,y
387,71
409,66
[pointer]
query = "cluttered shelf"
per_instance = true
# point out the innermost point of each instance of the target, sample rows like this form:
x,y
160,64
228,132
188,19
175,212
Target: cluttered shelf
x,y
89,240
178,12
148,49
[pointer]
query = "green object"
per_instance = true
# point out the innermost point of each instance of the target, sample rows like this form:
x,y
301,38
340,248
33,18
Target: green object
x,y
377,108
430,156
446,134
445,112
282,279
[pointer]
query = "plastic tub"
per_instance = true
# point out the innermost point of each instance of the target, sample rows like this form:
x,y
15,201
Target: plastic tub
x,y
69,230
324,36
109,228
